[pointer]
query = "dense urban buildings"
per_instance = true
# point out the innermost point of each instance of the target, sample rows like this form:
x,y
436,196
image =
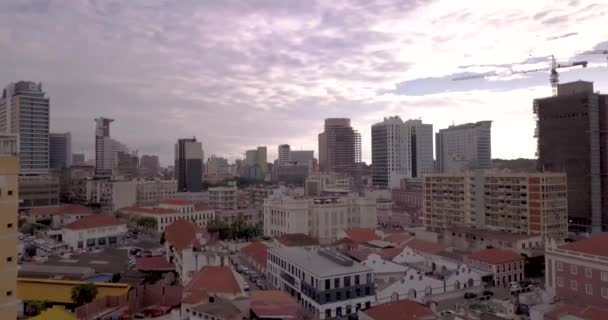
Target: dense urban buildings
x,y
38,190
24,110
60,150
224,198
328,284
321,217
339,147
78,158
528,203
149,166
400,150
189,165
464,147
570,131
152,192
9,199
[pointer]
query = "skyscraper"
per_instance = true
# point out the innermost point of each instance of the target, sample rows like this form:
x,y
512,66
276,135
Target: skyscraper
x,y
189,165
284,154
464,147
571,130
149,166
60,150
339,147
9,199
261,158
400,150
103,148
24,110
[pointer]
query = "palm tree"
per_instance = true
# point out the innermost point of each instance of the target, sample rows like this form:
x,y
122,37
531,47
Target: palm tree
x,y
84,293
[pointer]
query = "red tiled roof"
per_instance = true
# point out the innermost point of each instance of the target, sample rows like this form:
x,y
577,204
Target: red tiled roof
x,y
199,206
495,256
389,231
426,246
150,210
586,312
398,238
297,240
95,221
177,202
595,245
194,296
275,304
67,208
214,280
155,263
390,253
258,251
182,233
400,310
360,235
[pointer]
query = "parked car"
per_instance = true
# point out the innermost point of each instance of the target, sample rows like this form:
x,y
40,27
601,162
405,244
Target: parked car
x,y
488,293
469,295
246,286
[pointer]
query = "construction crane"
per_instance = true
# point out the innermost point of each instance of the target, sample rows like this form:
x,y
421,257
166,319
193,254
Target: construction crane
x,y
597,52
553,78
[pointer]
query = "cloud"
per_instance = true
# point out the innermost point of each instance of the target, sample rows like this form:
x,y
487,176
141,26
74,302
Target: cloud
x,y
237,74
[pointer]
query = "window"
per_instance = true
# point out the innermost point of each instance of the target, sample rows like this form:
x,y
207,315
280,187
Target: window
x,y
588,273
328,313
358,292
604,293
357,280
9,293
367,305
367,291
560,266
10,225
327,297
9,259
573,269
338,296
560,282
338,311
347,294
327,284
604,276
337,283
573,285
347,281
348,309
588,289
10,192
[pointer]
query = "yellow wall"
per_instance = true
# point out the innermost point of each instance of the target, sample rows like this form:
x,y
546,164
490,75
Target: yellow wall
x,y
9,169
60,291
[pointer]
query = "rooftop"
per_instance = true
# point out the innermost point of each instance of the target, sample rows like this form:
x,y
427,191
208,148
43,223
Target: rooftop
x,y
182,233
274,304
424,246
177,202
258,251
492,234
67,208
297,240
496,256
54,271
150,210
221,308
154,263
585,312
214,280
319,264
400,310
360,235
594,245
95,221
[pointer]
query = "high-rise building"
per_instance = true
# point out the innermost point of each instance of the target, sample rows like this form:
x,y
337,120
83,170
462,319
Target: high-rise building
x,y
525,203
78,159
103,149
284,154
127,165
60,150
400,150
189,165
24,110
149,166
463,147
9,199
571,136
339,147
301,157
261,158
250,157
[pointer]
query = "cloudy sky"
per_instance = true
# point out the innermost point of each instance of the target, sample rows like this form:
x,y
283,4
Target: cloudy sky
x,y
237,74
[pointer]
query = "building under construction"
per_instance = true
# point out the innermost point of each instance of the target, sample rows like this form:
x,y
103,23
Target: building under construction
x,y
571,131
340,148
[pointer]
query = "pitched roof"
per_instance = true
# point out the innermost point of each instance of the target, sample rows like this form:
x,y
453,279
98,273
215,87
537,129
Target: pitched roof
x,y
595,245
258,251
398,238
360,235
275,304
495,256
214,280
177,202
194,296
182,233
297,240
221,309
586,312
400,310
424,246
95,221
154,263
68,208
149,210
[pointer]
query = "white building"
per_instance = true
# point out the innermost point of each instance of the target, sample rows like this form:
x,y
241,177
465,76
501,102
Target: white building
x,y
465,146
327,183
151,192
223,198
169,211
59,215
400,150
284,154
319,217
106,149
326,283
93,231
111,195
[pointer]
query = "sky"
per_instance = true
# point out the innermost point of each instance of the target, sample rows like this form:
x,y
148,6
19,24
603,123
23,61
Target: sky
x,y
238,74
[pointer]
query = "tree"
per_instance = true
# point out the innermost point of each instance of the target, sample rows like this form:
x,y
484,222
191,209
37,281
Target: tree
x,y
30,250
36,306
84,293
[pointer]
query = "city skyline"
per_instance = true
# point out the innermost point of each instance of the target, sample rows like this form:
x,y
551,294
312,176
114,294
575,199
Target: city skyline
x,y
358,60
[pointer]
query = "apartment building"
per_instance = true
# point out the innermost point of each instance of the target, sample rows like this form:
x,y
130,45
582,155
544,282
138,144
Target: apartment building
x,y
409,193
320,217
577,272
320,183
9,199
152,192
529,203
223,198
327,284
339,147
38,190
60,150
464,147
